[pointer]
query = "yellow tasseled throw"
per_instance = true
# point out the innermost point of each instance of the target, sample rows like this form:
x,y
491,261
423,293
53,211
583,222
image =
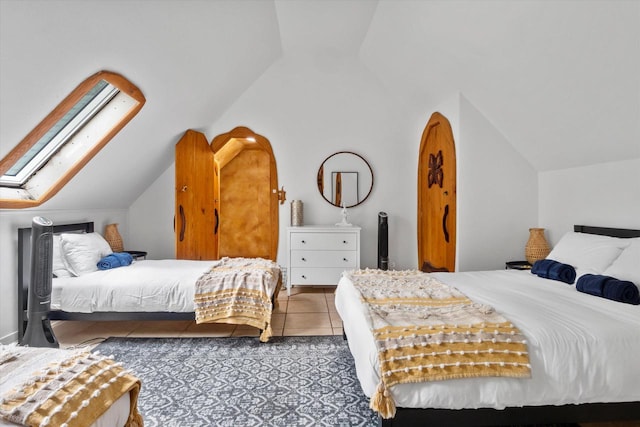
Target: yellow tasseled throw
x,y
426,330
382,403
238,291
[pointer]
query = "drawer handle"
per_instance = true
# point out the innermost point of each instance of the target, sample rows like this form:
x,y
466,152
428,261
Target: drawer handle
x,y
344,259
304,259
304,241
304,277
345,242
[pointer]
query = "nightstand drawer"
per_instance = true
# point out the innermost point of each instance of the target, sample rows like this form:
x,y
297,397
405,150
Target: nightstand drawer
x,y
316,276
346,259
328,241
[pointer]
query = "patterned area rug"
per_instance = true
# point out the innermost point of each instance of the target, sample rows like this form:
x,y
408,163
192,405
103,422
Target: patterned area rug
x,y
240,382
290,381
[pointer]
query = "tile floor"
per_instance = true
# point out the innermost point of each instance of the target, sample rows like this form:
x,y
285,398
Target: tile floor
x,y
308,311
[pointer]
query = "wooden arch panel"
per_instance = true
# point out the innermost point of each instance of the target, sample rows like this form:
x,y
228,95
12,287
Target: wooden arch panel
x,y
246,194
437,196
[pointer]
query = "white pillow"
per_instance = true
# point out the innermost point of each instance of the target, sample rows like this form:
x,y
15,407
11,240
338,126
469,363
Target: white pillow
x,y
59,267
588,252
82,251
627,265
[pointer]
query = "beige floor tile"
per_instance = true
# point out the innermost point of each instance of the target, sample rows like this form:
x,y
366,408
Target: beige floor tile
x,y
337,331
119,328
62,328
160,328
307,320
307,303
281,306
331,302
208,330
307,331
336,320
242,332
85,339
296,290
277,320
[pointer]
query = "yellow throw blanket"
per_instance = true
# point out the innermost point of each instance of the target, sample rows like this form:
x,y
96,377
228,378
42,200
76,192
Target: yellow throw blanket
x,y
426,330
73,392
238,291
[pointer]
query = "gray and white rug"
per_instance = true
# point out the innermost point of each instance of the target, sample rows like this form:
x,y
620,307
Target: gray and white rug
x,y
290,381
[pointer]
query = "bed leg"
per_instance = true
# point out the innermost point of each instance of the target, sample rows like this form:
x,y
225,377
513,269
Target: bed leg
x,y
385,422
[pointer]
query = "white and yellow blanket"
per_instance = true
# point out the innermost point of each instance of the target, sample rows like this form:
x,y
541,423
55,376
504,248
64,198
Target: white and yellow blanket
x,y
239,291
74,390
426,330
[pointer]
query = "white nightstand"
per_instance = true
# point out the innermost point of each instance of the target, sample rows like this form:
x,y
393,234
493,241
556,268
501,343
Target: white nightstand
x,y
317,255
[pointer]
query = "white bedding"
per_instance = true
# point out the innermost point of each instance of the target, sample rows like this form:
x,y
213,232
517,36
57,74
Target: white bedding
x,y
583,349
116,415
150,285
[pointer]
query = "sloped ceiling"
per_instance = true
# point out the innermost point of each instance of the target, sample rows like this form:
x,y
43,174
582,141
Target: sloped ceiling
x,y
561,79
191,59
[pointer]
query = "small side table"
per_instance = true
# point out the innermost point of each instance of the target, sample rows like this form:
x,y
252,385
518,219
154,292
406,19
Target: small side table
x,y
517,265
137,255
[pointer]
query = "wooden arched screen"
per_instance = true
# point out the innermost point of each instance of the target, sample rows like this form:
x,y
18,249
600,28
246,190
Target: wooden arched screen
x,y
437,196
226,196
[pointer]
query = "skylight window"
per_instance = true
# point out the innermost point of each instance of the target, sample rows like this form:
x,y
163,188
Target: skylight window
x,y
67,139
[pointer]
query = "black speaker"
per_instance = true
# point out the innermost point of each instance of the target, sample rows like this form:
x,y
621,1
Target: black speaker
x,y
383,241
39,332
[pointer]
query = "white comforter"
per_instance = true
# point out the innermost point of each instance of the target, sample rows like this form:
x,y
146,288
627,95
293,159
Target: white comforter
x,y
582,348
151,285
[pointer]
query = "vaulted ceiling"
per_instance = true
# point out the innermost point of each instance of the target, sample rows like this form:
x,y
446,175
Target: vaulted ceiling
x,y
560,80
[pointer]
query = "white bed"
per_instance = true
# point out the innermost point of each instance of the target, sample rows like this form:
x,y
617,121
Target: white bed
x,y
16,371
144,286
583,349
573,338
144,290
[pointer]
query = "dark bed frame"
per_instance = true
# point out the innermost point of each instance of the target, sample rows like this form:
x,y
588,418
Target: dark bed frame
x,y
526,415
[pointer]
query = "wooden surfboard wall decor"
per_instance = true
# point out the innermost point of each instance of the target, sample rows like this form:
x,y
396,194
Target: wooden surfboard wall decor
x,y
437,197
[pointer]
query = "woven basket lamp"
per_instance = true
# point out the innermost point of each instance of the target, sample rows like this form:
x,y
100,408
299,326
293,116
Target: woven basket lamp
x,y
537,247
113,237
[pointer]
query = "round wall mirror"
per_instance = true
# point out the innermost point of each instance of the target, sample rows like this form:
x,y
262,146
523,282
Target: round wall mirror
x,y
345,179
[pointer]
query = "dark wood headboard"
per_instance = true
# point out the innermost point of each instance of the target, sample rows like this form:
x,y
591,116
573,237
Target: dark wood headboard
x,y
24,266
606,231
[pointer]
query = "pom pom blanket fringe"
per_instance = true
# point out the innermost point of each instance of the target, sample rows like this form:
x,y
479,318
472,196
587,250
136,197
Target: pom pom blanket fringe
x,y
426,330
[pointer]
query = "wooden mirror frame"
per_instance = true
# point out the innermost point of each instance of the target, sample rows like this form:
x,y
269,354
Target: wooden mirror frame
x,y
320,178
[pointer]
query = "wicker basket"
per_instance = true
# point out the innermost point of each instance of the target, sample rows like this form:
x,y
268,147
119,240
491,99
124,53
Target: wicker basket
x,y
113,237
537,247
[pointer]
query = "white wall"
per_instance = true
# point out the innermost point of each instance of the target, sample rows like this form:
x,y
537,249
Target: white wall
x,y
151,218
10,221
496,188
310,108
606,195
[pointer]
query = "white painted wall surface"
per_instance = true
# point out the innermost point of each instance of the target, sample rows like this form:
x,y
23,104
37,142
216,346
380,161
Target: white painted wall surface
x,y
496,188
606,194
10,221
310,108
151,218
